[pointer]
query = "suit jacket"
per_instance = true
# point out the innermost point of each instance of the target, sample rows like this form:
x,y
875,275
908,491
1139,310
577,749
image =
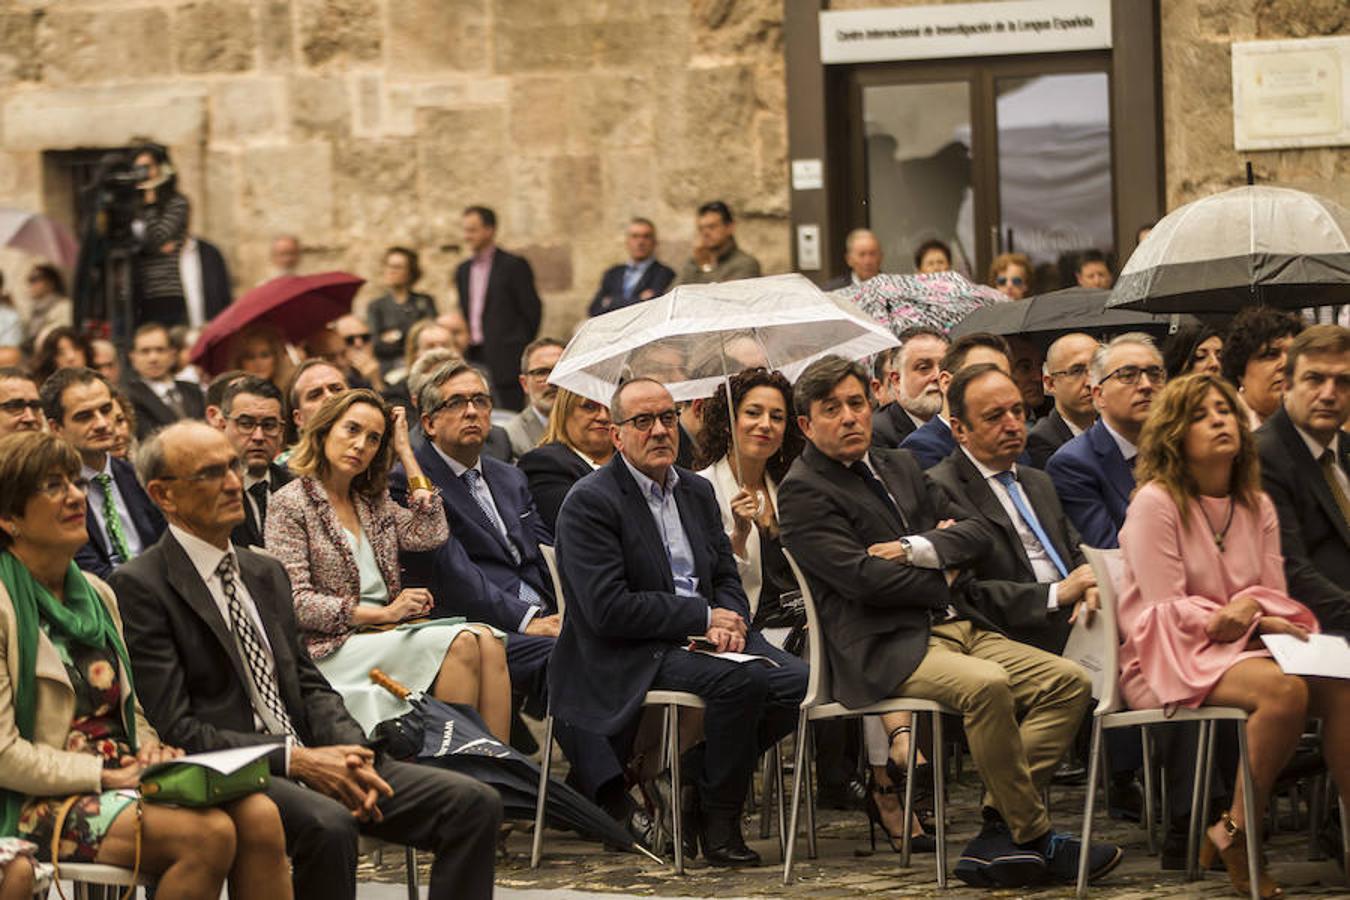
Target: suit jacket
x,y
931,443
1045,437
725,486
657,279
249,533
524,430
874,613
891,425
215,279
485,548
1314,535
43,766
552,469
96,556
153,413
1005,587
511,316
1094,484
189,673
623,614
304,533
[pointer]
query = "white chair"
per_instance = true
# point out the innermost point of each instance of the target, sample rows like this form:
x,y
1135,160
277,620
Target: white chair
x,y
376,846
819,704
546,763
93,880
1112,712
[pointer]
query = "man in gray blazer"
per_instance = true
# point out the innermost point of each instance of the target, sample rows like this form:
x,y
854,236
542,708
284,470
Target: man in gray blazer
x,y
536,365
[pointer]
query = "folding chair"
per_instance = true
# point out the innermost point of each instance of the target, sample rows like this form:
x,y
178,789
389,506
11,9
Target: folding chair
x,y
819,704
1111,712
377,847
94,881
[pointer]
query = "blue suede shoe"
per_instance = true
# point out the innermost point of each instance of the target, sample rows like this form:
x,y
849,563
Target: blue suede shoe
x,y
991,859
1062,854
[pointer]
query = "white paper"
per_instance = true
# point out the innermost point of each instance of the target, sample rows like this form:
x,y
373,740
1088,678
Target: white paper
x,y
1085,648
225,762
736,657
1325,655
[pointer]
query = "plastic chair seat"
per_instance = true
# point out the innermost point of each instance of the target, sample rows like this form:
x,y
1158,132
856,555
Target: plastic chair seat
x,y
836,710
97,873
676,698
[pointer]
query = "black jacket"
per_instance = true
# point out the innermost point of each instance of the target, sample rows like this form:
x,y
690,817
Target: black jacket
x,y
610,296
1045,437
153,413
891,425
552,469
96,556
511,315
249,533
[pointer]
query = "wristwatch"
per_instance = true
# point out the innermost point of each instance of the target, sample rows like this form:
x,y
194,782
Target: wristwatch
x,y
908,547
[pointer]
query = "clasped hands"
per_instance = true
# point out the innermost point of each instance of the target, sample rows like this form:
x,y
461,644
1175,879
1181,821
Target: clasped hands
x,y
1079,589
345,772
1234,619
129,768
727,630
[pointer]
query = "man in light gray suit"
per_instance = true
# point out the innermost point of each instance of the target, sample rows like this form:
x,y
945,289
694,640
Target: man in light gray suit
x,y
536,364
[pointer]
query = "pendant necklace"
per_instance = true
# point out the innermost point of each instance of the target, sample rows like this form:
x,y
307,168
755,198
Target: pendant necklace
x,y
1220,534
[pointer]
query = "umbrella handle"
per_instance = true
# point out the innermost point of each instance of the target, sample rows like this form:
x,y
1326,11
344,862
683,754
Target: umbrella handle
x,y
389,684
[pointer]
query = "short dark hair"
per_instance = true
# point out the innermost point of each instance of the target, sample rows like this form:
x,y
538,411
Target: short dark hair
x,y
428,390
251,384
294,401
414,264
961,381
1253,329
215,391
537,344
484,213
51,274
150,328
56,385
17,372
717,206
25,457
1089,255
1178,349
615,400
821,377
1317,339
931,244
955,357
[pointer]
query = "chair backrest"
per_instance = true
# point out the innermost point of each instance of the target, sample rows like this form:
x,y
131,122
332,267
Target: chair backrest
x,y
1107,565
818,683
551,560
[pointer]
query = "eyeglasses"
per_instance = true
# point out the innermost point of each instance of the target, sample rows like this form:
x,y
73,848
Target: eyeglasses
x,y
215,472
353,339
456,404
644,421
1017,280
56,487
1129,375
16,406
540,373
1074,372
248,424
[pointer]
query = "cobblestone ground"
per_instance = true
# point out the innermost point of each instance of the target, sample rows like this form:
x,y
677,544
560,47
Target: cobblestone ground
x,y
847,868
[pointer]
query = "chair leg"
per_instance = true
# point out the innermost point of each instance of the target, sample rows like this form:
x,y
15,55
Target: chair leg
x,y
676,819
798,773
1197,789
1345,840
907,807
782,798
1149,824
1089,801
537,844
811,848
765,791
659,821
1207,779
1253,828
410,866
939,799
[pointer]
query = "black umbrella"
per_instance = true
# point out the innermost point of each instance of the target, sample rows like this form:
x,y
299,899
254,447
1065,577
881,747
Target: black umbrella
x,y
1047,316
454,737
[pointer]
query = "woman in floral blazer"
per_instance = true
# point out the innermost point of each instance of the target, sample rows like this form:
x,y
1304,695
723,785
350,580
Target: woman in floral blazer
x,y
339,535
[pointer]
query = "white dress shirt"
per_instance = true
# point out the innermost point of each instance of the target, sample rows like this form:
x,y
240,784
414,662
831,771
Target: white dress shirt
x,y
1041,564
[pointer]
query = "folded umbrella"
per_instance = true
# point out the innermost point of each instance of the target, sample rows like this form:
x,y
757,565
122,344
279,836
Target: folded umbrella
x,y
937,300
1047,316
38,235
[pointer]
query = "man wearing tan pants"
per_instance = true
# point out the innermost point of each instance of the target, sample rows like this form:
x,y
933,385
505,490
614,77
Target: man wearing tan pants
x,y
884,548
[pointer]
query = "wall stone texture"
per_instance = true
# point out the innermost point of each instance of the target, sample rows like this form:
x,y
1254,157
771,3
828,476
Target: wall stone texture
x,y
363,123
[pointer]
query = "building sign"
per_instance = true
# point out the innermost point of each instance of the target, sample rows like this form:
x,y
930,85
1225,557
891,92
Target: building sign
x,y
964,29
1292,93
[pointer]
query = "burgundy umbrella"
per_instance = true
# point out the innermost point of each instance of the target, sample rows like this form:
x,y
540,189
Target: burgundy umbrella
x,y
296,305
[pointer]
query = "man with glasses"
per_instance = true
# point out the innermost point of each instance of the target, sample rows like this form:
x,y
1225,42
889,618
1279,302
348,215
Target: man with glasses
x,y
646,567
119,516
20,407
1094,472
156,397
250,416
536,364
1065,376
357,357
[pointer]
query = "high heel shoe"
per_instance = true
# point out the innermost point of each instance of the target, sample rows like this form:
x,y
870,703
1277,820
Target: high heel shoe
x,y
923,778
918,843
1235,861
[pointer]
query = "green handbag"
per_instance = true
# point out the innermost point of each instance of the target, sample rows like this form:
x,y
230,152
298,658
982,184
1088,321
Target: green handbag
x,y
184,782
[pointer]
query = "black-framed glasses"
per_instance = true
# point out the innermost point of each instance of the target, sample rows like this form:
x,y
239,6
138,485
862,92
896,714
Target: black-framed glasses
x,y
353,339
56,487
1016,280
457,403
247,424
1075,372
16,406
1130,375
215,472
645,421
540,373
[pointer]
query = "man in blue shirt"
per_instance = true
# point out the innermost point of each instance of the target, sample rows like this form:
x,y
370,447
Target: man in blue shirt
x,y
641,278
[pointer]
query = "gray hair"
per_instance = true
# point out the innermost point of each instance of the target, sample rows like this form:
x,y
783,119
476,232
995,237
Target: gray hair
x,y
428,391
151,460
857,233
821,377
426,364
1097,371
615,402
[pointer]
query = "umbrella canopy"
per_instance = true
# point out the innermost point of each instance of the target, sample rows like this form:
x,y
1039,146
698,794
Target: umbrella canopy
x,y
938,300
1047,316
692,337
39,235
1252,244
297,305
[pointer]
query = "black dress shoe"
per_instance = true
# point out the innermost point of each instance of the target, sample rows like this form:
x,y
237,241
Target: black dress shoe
x,y
1069,774
724,846
1125,799
642,830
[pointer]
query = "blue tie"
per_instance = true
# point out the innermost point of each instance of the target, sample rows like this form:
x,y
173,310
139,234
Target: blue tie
x,y
1009,481
473,478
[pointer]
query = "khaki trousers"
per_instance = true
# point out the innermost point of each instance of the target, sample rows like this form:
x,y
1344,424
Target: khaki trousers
x,y
996,682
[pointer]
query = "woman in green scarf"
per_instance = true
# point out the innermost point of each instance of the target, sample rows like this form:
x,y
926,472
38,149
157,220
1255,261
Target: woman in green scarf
x,y
70,724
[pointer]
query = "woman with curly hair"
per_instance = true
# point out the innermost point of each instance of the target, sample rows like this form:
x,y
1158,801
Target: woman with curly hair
x,y
1253,358
61,348
1203,579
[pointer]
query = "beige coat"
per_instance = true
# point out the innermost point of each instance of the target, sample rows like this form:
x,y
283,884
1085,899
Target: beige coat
x,y
43,767
725,487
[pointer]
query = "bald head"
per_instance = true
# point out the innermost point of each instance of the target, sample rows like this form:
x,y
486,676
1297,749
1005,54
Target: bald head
x,y
193,474
862,253
1065,376
285,254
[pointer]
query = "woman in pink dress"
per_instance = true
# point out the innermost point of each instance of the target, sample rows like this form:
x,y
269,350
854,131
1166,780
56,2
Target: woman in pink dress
x,y
1203,579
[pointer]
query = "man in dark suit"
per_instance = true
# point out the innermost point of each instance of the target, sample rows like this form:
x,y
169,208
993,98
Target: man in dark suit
x,y
1065,377
641,278
906,385
206,280
497,296
646,565
933,442
862,256
552,469
1033,583
1094,472
884,549
119,516
1305,461
252,420
218,662
158,399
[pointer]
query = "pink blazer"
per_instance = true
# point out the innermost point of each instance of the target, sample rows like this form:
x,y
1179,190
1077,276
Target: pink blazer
x,y
304,533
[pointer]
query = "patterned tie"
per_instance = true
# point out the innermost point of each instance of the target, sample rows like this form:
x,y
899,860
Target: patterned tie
x,y
259,494
112,521
257,659
1328,463
472,478
174,401
874,485
1009,481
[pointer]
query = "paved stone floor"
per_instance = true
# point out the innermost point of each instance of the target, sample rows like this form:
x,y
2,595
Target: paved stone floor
x,y
847,868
